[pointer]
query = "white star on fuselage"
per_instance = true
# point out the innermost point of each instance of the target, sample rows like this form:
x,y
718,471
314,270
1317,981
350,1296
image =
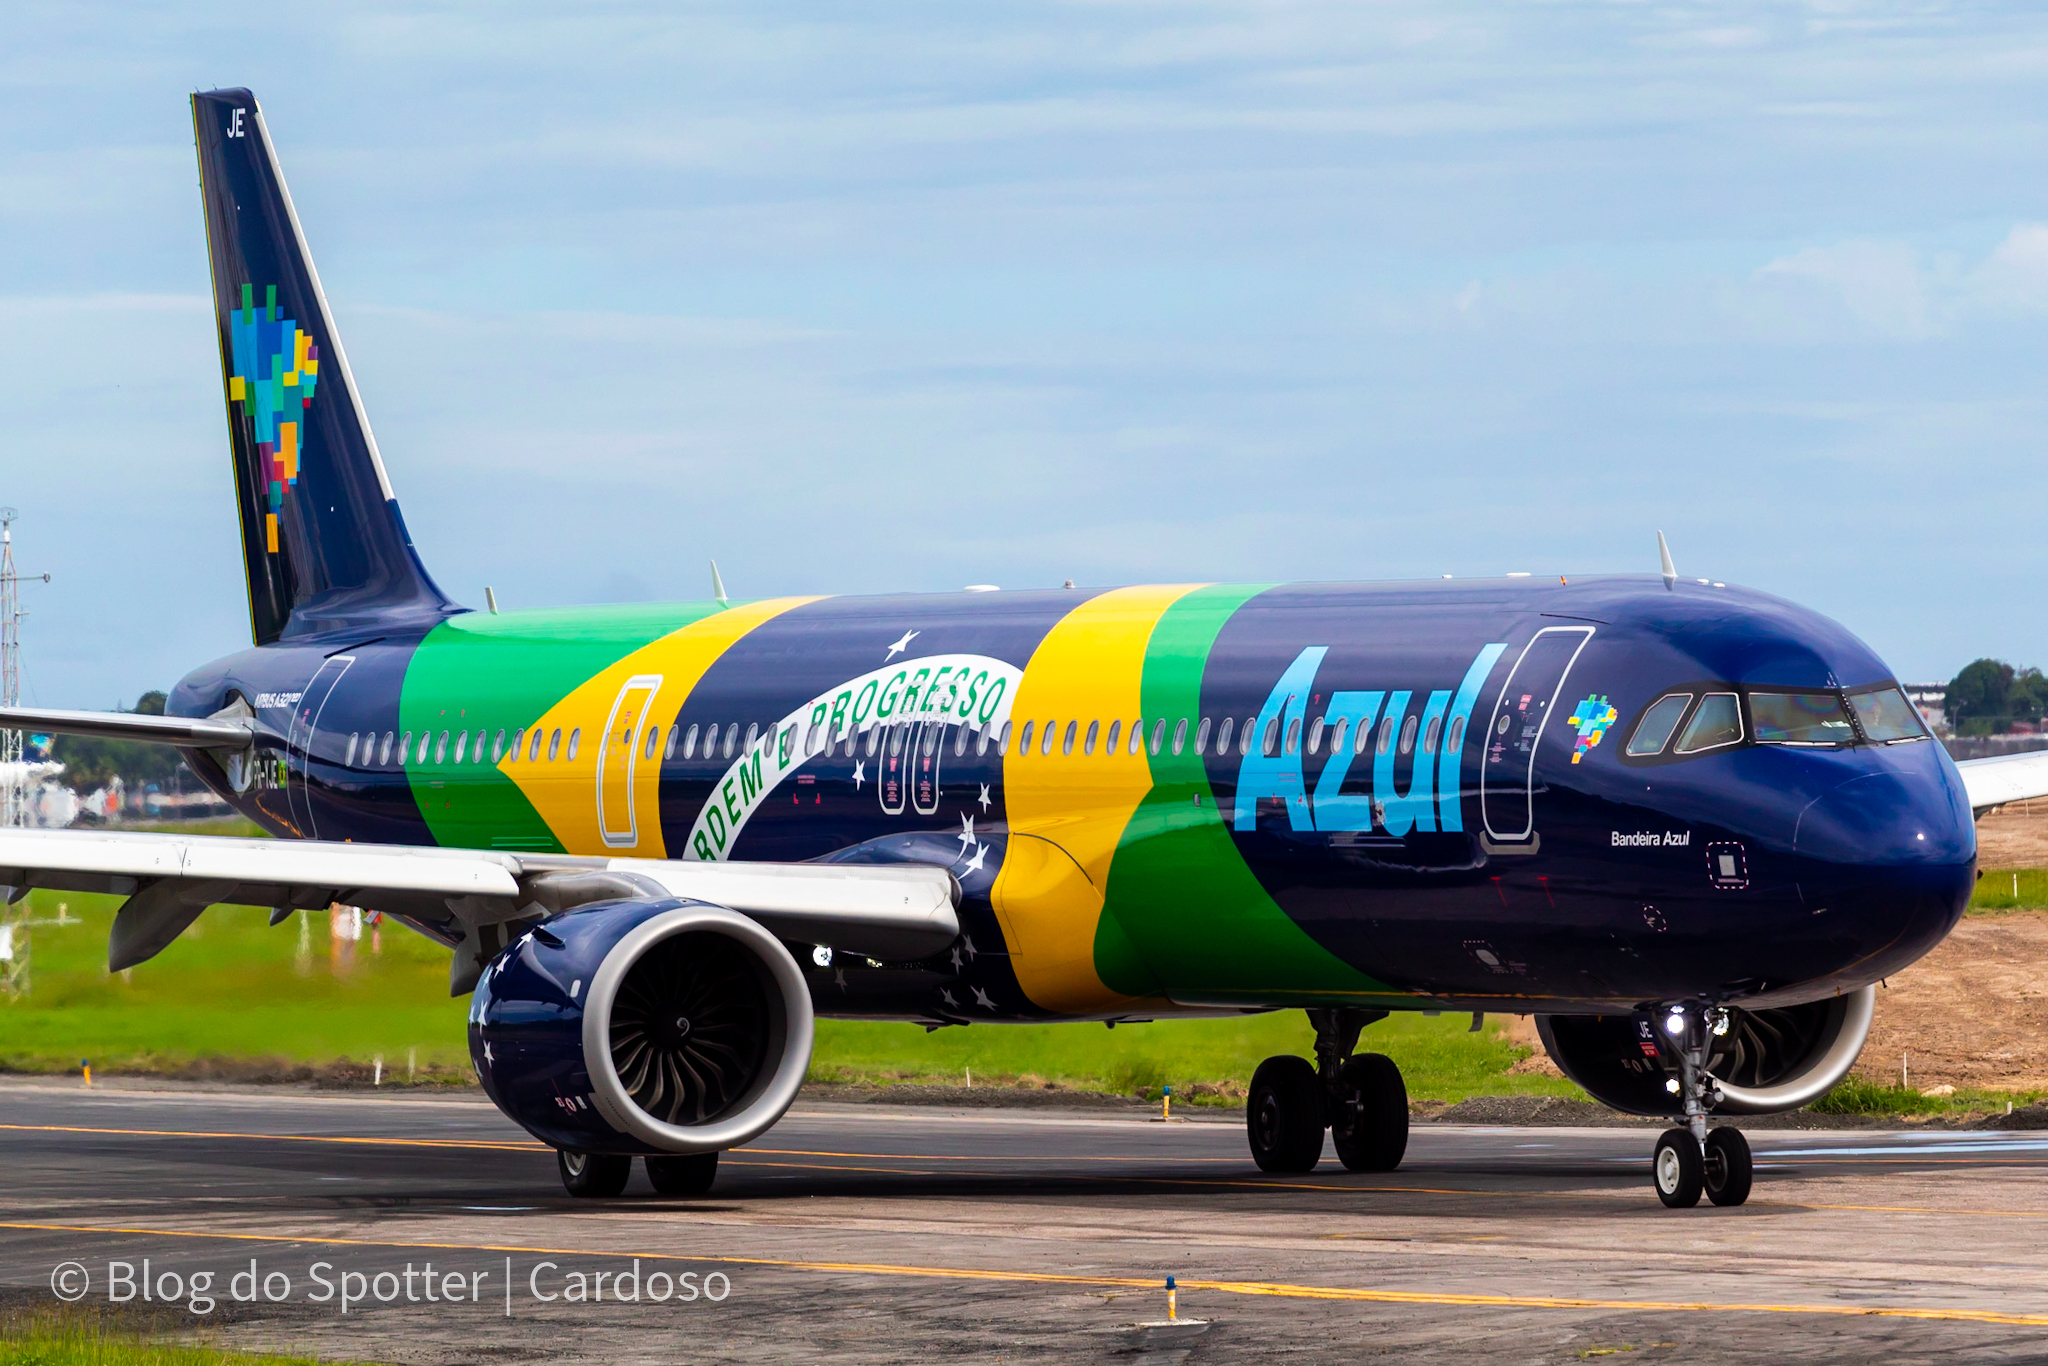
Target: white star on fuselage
x,y
860,774
900,646
984,797
980,855
981,998
966,835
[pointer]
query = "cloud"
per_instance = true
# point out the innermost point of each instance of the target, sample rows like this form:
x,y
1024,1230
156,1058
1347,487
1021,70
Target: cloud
x,y
2016,273
1881,285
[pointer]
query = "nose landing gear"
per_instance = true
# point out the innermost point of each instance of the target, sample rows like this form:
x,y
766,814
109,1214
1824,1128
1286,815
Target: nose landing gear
x,y
1692,1161
1360,1099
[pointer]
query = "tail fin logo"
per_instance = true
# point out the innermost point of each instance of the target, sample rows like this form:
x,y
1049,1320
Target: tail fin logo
x,y
275,367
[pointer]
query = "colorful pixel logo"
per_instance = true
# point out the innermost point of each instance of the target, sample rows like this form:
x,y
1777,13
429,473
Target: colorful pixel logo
x,y
275,365
1593,717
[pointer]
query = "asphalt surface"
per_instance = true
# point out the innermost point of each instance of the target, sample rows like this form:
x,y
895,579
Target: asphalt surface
x,y
867,1234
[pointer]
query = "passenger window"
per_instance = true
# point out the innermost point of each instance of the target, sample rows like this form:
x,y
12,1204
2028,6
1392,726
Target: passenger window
x,y
349,761
1045,740
1653,732
668,751
1386,740
1408,735
1223,735
732,738
895,741
533,746
1202,737
384,750
1294,736
1244,736
1269,743
1138,736
1315,736
405,749
1800,718
1115,733
1067,744
554,744
498,746
1886,716
690,743
1436,723
1361,737
959,741
931,740
1343,723
653,741
1718,722
753,734
1088,745
575,742
626,738
476,751
1159,734
1456,738
441,749
1024,740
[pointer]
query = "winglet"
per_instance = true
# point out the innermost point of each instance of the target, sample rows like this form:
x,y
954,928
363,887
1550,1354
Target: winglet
x,y
717,584
1669,569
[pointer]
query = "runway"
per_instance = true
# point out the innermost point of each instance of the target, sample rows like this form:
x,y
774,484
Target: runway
x,y
862,1233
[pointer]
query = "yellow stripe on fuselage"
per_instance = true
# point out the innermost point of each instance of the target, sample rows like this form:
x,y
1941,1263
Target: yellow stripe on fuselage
x,y
1068,811
565,792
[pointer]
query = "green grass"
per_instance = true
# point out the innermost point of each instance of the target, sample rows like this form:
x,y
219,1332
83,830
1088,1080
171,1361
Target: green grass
x,y
2026,889
1203,1060
1860,1096
77,1337
230,986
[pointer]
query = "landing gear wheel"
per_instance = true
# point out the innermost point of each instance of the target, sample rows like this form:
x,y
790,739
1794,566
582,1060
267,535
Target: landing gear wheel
x,y
593,1176
690,1174
1678,1169
1284,1116
1370,1126
1728,1169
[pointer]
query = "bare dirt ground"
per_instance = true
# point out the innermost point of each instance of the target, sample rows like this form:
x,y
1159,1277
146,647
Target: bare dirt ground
x,y
1972,1013
2016,837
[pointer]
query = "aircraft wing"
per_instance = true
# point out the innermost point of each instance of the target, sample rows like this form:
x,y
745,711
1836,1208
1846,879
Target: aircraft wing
x,y
2004,778
184,731
466,897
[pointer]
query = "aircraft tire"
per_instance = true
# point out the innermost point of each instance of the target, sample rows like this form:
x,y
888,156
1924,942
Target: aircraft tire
x,y
593,1176
690,1174
1728,1167
1284,1115
1370,1128
1677,1169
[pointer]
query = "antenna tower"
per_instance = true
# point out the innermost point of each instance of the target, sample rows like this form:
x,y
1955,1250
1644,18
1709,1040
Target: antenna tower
x,y
13,780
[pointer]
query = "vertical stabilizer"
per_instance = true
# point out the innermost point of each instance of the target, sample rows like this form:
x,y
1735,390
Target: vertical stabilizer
x,y
326,549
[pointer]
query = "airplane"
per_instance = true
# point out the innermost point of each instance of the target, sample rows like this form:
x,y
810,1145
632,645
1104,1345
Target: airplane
x,y
1686,825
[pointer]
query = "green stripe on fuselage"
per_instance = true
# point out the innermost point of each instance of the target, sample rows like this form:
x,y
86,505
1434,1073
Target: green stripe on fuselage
x,y
500,672
1184,915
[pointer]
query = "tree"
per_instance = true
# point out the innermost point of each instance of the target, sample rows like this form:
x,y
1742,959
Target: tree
x,y
89,763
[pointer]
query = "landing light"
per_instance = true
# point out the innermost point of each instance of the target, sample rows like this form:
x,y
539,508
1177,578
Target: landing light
x,y
1674,1024
1672,1086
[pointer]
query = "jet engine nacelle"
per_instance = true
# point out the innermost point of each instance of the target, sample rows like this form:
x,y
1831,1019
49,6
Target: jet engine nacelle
x,y
1769,1060
643,1027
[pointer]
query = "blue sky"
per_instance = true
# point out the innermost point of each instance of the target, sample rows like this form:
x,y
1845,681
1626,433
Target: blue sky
x,y
911,296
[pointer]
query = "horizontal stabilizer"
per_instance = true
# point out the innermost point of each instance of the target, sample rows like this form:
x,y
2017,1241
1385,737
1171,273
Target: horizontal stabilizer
x,y
183,731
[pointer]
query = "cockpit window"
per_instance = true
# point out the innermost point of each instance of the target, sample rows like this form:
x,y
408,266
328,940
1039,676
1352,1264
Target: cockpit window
x,y
1800,718
1717,722
1654,730
1886,716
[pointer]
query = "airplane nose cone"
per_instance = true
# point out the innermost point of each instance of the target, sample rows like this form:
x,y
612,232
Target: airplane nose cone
x,y
1889,820
1887,862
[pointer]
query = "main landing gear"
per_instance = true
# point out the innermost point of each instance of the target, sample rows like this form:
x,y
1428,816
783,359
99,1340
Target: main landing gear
x,y
601,1176
1359,1098
1694,1160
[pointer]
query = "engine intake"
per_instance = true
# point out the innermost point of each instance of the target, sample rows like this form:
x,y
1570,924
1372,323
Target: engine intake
x,y
664,1026
1768,1061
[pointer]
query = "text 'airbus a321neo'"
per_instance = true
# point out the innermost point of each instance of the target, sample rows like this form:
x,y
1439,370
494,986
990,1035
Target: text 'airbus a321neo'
x,y
1685,825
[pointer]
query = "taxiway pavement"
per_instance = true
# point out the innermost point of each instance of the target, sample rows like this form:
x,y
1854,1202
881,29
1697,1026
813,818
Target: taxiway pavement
x,y
866,1233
